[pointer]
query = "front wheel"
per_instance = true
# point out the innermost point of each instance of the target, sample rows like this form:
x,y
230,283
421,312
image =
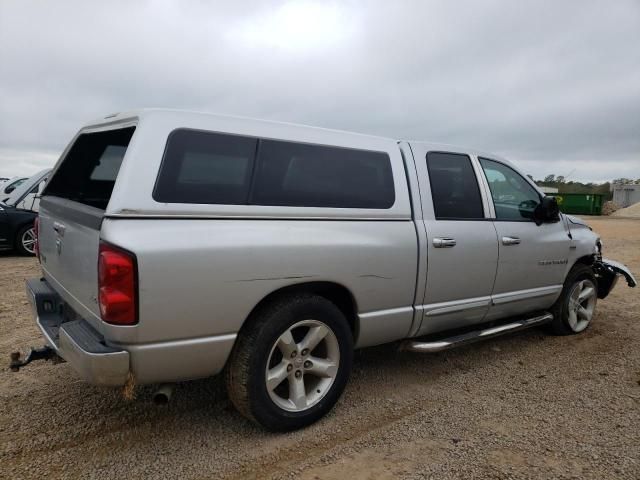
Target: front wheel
x,y
574,310
291,362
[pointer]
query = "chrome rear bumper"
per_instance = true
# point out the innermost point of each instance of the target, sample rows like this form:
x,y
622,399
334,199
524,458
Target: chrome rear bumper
x,y
75,340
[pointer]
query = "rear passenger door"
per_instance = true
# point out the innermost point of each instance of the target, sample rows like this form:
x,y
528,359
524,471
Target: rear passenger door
x,y
462,247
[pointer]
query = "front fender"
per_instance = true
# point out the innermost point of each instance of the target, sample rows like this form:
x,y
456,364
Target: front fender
x,y
607,272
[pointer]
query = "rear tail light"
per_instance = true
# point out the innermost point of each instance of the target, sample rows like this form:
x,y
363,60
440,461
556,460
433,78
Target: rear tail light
x,y
117,285
36,231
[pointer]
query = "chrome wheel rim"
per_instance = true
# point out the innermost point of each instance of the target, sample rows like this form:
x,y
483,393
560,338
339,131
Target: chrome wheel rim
x,y
302,365
582,303
29,241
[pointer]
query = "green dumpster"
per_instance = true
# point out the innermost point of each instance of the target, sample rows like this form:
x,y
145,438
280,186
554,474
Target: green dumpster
x,y
579,203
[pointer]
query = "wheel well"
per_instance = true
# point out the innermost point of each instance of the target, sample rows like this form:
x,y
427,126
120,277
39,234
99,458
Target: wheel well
x,y
338,294
586,260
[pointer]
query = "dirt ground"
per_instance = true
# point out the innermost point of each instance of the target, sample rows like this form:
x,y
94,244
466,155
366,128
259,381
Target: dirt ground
x,y
524,406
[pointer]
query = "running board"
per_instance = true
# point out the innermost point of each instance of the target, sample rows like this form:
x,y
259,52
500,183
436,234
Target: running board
x,y
475,336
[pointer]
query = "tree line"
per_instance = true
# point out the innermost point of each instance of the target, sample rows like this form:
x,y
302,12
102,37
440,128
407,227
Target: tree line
x,y
569,186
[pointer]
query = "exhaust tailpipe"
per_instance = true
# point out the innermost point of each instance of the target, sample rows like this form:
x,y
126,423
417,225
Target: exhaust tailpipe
x,y
163,394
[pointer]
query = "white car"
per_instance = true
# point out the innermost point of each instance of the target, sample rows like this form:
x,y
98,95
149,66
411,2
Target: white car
x,y
10,185
27,195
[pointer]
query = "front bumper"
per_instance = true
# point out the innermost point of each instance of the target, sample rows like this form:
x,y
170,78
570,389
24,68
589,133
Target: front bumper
x,y
607,272
75,340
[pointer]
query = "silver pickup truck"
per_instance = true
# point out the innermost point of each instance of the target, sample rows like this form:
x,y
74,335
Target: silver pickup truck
x,y
178,245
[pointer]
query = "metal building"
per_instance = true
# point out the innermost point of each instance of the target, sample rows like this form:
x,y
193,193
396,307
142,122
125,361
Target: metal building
x,y
625,194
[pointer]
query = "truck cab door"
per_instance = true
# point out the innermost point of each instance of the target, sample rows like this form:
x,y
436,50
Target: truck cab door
x,y
532,258
462,247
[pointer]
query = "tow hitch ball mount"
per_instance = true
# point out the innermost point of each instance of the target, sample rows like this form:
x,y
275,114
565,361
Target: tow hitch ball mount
x,y
42,353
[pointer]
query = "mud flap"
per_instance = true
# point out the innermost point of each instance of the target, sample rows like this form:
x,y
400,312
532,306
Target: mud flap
x,y
607,272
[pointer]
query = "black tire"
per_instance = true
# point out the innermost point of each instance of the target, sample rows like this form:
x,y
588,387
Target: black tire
x,y
20,247
561,309
245,373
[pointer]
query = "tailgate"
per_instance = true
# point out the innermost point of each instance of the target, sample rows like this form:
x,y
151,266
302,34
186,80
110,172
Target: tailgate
x,y
69,236
71,212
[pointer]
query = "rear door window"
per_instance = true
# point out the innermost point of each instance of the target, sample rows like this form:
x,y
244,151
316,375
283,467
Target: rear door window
x,y
89,170
454,187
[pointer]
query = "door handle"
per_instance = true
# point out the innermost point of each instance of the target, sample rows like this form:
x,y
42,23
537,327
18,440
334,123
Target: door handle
x,y
510,240
444,242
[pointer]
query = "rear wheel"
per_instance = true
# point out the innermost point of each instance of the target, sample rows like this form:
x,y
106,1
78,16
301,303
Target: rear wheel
x,y
291,362
574,310
26,240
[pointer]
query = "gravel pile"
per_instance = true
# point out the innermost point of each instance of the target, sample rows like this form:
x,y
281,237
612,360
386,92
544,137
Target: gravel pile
x,y
524,406
609,207
630,211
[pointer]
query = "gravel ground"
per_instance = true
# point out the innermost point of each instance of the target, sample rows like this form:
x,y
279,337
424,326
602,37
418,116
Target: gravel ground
x,y
524,406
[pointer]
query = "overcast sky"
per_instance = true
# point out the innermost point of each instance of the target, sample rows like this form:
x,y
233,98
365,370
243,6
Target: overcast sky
x,y
552,85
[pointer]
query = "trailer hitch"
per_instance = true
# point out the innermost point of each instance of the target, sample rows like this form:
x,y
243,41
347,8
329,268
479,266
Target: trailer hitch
x,y
44,353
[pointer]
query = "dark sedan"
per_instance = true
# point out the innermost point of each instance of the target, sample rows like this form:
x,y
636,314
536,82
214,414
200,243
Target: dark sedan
x,y
18,213
17,230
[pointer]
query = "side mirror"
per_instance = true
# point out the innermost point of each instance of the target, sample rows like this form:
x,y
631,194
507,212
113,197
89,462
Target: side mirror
x,y
547,211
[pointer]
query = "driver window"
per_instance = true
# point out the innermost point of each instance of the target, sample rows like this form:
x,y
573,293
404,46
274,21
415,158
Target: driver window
x,y
513,197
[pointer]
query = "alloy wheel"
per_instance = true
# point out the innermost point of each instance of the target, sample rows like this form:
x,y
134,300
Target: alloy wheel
x,y
28,241
302,366
582,303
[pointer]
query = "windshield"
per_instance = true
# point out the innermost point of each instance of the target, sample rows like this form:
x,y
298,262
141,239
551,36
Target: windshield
x,y
26,186
8,186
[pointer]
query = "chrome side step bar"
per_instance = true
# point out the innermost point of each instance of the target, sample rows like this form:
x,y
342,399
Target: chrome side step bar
x,y
475,336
